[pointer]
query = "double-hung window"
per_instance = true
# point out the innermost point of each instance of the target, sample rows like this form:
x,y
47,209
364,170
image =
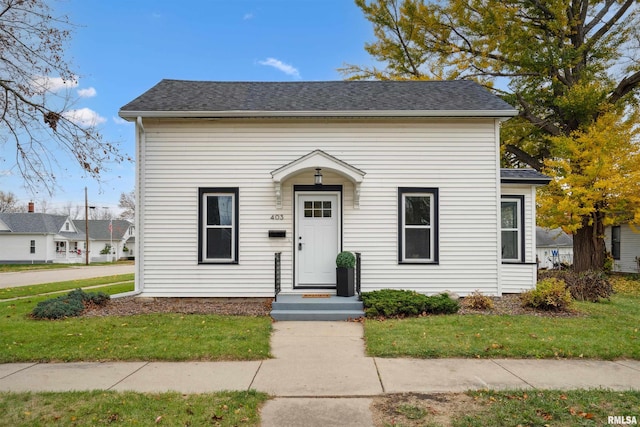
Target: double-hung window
x,y
32,247
512,231
218,225
418,225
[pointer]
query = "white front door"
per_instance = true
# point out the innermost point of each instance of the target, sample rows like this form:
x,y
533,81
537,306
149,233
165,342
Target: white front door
x,y
317,238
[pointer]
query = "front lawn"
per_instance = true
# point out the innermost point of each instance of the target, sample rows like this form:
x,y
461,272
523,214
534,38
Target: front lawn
x,y
129,408
509,408
608,330
170,337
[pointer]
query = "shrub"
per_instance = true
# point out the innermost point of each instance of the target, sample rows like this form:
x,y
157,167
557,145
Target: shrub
x,y
585,286
441,304
346,259
477,301
627,284
402,303
69,305
58,308
549,294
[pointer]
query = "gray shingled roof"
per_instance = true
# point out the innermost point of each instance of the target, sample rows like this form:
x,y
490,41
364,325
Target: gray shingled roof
x,y
33,222
553,238
180,96
99,229
523,176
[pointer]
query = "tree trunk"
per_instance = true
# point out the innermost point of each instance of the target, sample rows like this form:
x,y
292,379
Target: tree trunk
x,y
589,250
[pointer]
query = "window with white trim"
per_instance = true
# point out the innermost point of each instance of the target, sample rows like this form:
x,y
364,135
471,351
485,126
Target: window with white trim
x,y
418,225
32,247
511,220
218,225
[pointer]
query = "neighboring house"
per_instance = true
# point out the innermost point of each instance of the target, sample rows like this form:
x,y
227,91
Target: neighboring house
x,y
554,248
231,176
30,237
111,240
623,243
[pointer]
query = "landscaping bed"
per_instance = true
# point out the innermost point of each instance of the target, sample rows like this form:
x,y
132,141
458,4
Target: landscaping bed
x,y
508,304
222,306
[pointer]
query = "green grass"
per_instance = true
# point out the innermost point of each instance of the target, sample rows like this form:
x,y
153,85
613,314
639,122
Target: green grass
x,y
609,330
509,408
557,408
21,291
7,268
142,337
129,408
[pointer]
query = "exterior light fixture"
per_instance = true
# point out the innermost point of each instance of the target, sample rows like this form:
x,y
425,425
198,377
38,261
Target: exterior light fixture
x,y
318,177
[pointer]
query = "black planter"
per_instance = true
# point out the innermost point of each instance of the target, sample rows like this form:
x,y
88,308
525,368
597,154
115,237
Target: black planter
x,y
345,282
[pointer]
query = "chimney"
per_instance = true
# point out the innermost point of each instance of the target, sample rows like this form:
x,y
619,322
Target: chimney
x,y
32,208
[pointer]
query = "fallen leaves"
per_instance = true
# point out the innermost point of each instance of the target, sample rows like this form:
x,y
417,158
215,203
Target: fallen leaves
x,y
581,414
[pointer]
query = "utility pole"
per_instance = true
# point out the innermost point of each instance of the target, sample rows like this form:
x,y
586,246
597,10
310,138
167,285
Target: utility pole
x,y
86,226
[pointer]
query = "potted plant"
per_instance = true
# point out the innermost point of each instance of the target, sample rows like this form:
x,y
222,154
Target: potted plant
x,y
345,274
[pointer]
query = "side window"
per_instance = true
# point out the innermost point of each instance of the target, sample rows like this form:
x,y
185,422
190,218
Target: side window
x,y
218,225
32,248
511,220
615,242
418,225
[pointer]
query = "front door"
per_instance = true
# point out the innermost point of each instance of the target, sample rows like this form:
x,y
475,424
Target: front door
x,y
317,238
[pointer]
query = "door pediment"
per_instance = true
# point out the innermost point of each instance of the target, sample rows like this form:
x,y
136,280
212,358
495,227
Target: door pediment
x,y
318,159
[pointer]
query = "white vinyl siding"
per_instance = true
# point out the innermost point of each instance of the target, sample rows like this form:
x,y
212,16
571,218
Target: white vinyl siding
x,y
457,156
629,261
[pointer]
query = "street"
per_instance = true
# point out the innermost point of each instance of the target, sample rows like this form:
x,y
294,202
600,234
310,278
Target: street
x,y
35,277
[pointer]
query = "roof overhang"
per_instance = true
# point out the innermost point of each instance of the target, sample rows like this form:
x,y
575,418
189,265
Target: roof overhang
x,y
133,115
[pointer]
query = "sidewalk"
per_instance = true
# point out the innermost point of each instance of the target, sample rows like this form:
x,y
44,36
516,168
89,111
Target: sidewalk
x,y
320,372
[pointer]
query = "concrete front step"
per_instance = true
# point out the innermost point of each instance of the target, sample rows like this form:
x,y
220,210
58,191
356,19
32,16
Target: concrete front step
x,y
298,307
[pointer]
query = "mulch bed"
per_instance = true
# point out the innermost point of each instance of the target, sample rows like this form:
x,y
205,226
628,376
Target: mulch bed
x,y
128,306
508,304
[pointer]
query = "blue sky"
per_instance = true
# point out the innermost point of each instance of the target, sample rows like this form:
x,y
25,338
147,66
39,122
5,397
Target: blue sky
x,y
122,48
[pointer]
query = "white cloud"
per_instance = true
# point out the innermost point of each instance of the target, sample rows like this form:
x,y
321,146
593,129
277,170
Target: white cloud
x,y
89,92
247,16
44,84
119,120
84,117
279,65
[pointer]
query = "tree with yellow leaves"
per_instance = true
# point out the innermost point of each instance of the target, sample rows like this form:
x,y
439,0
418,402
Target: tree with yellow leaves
x,y
597,183
571,67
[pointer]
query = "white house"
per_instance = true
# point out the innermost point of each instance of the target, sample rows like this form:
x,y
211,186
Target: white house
x,y
233,176
31,237
554,247
111,239
623,243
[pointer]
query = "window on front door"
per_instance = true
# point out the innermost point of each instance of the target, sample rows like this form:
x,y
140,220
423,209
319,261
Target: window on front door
x,y
218,233
418,225
511,219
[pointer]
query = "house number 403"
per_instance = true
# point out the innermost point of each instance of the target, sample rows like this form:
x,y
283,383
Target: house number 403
x,y
277,217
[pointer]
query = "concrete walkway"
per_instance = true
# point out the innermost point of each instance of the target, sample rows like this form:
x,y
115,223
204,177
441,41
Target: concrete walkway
x,y
320,375
36,277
